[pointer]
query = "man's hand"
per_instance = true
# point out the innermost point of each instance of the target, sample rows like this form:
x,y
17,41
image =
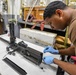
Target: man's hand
x,y
48,59
51,50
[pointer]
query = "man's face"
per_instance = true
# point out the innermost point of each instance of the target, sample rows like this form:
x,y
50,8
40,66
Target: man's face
x,y
57,22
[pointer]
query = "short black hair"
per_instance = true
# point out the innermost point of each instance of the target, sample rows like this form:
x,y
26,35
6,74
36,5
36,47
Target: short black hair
x,y
51,8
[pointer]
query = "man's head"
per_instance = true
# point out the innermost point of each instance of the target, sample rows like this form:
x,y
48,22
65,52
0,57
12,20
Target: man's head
x,y
55,15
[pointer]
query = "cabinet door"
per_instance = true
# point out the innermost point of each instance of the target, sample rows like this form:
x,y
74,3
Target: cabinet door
x,y
39,15
26,13
39,12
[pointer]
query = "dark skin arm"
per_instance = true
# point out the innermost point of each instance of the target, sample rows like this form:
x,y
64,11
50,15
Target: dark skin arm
x,y
68,67
68,51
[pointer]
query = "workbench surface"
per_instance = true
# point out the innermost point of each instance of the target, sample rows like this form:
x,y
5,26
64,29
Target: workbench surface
x,y
28,66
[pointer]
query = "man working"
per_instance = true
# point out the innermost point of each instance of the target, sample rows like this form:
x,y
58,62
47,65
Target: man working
x,y
59,16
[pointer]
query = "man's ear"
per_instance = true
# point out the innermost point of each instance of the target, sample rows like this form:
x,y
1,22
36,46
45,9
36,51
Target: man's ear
x,y
59,12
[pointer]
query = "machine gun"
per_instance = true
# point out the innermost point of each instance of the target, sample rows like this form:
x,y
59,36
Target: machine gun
x,y
21,47
29,53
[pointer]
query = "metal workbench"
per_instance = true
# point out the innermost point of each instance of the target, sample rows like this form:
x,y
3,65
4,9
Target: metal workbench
x,y
25,64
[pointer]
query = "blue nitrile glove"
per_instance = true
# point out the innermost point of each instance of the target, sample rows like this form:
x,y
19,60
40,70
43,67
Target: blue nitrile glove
x,y
51,50
48,59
